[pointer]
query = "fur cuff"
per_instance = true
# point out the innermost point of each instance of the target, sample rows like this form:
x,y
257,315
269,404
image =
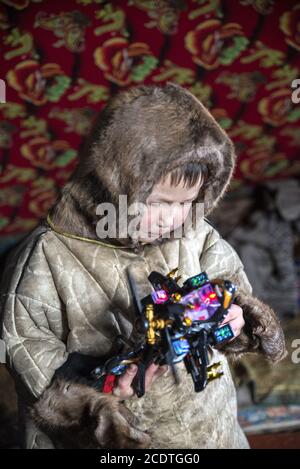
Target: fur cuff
x,y
262,332
75,415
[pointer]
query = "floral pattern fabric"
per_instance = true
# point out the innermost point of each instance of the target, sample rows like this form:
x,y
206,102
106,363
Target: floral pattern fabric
x,y
61,60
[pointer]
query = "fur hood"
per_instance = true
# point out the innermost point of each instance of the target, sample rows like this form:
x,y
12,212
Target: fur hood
x,y
142,133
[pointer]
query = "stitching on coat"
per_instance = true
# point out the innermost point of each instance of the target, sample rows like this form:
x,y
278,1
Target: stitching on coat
x,y
27,353
108,298
33,299
87,271
207,241
29,313
121,279
31,249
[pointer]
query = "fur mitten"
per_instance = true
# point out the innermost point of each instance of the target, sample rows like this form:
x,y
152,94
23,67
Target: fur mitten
x,y
75,415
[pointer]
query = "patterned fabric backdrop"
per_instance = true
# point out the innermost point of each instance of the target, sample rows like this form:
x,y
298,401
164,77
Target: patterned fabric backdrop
x,y
61,60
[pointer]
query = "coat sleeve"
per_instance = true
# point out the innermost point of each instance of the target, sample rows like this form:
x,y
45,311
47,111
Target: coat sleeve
x,y
262,332
34,352
65,407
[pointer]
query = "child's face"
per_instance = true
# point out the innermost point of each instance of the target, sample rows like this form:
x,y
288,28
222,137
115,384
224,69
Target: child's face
x,y
167,208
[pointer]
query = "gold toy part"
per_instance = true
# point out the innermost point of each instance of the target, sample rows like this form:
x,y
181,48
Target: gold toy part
x,y
213,372
172,273
128,361
154,324
187,321
227,298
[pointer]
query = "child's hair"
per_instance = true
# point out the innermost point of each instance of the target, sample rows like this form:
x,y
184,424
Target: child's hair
x,y
189,173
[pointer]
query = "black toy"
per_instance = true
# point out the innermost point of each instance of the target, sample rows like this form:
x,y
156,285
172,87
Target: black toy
x,y
176,323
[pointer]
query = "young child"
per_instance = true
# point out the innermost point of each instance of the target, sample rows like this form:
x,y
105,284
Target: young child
x,y
66,294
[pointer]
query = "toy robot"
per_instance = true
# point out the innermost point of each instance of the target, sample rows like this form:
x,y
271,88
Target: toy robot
x,y
177,323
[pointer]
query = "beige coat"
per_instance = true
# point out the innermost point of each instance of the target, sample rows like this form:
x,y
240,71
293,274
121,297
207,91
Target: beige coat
x,y
69,295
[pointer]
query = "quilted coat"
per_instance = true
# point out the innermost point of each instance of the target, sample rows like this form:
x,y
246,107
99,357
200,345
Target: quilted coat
x,y
65,293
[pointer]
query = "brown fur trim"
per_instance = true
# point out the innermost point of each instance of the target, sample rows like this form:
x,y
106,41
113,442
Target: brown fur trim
x,y
75,415
262,332
142,133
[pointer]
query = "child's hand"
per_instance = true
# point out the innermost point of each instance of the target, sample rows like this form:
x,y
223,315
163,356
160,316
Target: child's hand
x,y
124,390
236,320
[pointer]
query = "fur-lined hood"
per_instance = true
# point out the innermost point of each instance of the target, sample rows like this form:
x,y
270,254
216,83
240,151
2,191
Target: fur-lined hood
x,y
142,133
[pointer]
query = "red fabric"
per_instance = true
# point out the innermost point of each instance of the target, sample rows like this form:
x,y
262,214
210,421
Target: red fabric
x,y
61,60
